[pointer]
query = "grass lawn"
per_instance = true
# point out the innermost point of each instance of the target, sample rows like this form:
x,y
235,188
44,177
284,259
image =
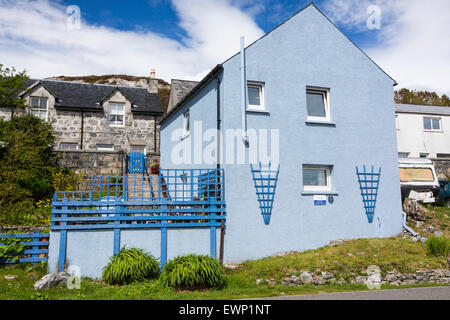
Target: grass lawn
x,y
346,260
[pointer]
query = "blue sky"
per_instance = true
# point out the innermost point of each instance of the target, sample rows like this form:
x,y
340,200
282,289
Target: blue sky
x,y
186,38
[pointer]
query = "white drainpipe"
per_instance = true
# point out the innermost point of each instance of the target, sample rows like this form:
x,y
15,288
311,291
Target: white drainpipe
x,y
243,92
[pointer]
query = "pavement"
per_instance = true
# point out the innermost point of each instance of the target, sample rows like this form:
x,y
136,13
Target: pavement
x,y
429,293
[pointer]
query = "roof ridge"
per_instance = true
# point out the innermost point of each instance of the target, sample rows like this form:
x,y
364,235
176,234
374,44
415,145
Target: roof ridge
x,y
87,83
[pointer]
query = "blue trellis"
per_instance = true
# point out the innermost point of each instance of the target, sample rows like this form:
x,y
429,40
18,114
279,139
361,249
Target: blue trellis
x,y
265,184
368,183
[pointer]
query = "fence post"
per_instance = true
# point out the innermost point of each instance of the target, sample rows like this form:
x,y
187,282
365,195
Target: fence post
x,y
117,230
163,210
63,240
36,238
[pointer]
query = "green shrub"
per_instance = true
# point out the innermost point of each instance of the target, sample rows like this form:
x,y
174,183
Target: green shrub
x,y
438,246
130,265
193,272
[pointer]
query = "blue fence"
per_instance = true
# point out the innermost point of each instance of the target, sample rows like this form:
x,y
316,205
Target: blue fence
x,y
35,247
176,198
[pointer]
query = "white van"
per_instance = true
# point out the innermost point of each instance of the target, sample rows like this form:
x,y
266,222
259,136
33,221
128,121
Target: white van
x,y
418,180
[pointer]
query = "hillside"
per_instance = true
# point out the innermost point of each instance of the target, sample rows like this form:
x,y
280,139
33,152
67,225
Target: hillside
x,y
122,80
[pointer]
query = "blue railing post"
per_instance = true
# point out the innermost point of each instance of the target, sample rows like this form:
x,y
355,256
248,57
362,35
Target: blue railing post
x,y
63,241
36,238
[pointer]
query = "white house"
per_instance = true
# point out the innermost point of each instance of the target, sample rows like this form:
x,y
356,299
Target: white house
x,y
423,131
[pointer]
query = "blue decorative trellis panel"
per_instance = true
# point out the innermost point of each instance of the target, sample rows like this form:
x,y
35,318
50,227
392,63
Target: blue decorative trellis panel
x,y
176,198
36,247
368,183
265,181
136,163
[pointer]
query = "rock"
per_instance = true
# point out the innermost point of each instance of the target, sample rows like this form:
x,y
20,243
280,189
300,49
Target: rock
x,y
360,280
396,283
306,278
438,233
390,277
10,277
51,280
430,229
415,239
422,239
318,280
271,282
260,281
409,281
327,276
414,210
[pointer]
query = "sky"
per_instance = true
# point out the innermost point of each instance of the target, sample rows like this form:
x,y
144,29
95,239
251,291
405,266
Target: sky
x,y
184,39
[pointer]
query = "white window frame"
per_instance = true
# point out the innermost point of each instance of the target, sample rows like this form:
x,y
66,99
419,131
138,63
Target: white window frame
x,y
326,101
115,123
260,86
326,188
32,110
68,143
103,147
397,122
405,153
187,123
433,129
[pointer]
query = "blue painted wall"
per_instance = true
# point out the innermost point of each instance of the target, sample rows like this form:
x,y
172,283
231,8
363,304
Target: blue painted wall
x,y
307,50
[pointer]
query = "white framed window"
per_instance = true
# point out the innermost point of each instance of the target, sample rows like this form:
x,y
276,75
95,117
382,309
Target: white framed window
x,y
432,124
318,104
255,93
68,146
403,154
187,123
116,114
316,178
140,149
424,155
39,107
105,147
443,155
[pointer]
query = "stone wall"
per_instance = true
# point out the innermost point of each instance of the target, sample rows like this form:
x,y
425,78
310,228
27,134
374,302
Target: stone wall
x,y
442,167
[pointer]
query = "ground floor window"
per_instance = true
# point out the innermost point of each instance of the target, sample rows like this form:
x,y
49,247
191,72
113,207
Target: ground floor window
x,y
68,146
105,147
140,149
316,178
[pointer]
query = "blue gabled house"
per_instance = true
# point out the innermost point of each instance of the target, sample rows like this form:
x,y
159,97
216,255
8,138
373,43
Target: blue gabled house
x,y
303,123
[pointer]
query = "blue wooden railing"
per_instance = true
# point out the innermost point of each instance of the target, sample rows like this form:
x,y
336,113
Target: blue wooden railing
x,y
35,250
176,198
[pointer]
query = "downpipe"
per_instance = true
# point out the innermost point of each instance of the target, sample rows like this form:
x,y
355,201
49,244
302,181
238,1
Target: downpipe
x,y
411,231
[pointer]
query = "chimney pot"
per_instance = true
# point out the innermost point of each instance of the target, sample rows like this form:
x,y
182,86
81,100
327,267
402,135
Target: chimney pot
x,y
152,74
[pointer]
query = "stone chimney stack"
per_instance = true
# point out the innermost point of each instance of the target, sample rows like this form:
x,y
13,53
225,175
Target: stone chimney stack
x,y
152,82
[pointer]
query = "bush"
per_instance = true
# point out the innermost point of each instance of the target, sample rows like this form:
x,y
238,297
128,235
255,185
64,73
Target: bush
x,y
130,265
193,272
438,246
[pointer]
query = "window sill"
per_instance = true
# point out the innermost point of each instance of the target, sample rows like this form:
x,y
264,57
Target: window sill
x,y
320,123
264,112
322,192
434,131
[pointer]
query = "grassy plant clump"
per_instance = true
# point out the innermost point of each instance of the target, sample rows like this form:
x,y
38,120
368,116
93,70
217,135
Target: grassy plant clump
x,y
130,265
438,246
193,272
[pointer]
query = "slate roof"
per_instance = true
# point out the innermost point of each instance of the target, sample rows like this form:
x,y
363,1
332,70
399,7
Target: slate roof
x,y
88,97
182,87
422,109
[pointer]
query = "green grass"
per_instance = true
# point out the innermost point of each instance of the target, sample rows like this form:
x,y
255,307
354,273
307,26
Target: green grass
x,y
346,260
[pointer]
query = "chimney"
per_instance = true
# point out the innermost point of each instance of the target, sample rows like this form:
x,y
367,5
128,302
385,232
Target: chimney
x,y
152,82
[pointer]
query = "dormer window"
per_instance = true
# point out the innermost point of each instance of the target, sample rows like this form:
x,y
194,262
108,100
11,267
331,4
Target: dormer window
x,y
39,107
116,114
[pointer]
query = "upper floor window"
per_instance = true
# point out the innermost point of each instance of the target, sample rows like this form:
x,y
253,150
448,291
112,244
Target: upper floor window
x,y
39,107
403,154
255,93
316,178
317,104
116,114
187,122
432,124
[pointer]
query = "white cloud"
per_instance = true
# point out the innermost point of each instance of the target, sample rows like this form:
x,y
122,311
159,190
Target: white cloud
x,y
34,36
413,44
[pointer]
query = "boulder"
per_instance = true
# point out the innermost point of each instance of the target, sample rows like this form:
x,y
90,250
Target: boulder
x,y
414,210
306,278
51,280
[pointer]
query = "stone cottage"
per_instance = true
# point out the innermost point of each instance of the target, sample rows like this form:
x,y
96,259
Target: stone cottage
x,y
97,125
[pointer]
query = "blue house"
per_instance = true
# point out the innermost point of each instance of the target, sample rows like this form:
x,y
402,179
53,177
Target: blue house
x,y
302,122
